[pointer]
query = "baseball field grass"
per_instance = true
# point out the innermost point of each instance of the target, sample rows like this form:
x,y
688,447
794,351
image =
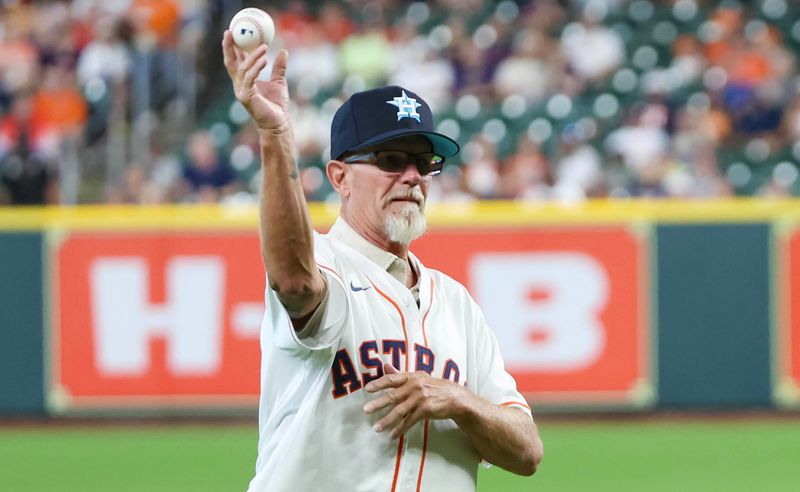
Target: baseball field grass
x,y
618,455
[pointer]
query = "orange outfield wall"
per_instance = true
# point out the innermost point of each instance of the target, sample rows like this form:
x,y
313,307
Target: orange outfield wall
x,y
171,319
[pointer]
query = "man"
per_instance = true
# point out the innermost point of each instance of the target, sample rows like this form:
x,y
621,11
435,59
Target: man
x,y
377,373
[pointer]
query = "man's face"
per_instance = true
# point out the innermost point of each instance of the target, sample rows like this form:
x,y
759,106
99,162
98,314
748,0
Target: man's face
x,y
390,204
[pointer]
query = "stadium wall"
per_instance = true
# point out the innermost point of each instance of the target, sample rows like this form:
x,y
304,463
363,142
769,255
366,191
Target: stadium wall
x,y
606,305
22,329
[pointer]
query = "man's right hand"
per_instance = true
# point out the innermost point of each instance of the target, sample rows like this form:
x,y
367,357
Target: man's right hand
x,y
267,101
287,240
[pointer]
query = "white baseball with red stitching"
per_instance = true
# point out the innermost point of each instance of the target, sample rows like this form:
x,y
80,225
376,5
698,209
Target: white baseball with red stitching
x,y
252,27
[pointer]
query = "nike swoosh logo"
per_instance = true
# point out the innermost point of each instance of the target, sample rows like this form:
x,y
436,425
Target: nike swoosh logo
x,y
358,289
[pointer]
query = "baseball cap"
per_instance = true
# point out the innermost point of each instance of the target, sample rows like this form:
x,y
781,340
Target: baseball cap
x,y
377,115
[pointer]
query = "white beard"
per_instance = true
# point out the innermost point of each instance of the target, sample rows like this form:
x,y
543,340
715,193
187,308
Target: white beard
x,y
406,224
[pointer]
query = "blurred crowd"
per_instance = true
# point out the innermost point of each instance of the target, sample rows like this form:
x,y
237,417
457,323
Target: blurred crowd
x,y
83,86
550,100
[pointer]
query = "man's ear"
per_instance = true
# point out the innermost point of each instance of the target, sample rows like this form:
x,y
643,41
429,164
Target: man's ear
x,y
337,174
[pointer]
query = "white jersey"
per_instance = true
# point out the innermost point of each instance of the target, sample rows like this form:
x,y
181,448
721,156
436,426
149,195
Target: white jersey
x,y
314,434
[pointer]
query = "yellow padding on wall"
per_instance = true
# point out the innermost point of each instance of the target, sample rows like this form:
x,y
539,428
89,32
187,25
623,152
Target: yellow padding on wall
x,y
499,213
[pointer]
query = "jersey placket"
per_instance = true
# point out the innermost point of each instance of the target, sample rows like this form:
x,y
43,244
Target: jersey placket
x,y
415,442
410,446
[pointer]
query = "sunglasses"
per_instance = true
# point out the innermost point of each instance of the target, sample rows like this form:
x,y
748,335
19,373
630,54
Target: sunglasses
x,y
396,161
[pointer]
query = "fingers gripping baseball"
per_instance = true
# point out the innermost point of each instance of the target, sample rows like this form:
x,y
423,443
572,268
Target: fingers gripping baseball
x,y
267,101
410,398
253,64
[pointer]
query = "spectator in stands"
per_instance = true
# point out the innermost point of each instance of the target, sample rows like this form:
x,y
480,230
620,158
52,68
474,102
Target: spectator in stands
x,y
697,126
40,136
145,185
366,54
59,104
707,178
28,147
526,173
102,72
315,66
791,119
335,22
543,15
643,142
688,62
449,187
156,21
131,189
724,25
472,75
155,64
311,132
421,68
533,69
774,189
294,23
57,35
607,47
750,107
19,58
207,174
481,168
578,167
475,58
728,79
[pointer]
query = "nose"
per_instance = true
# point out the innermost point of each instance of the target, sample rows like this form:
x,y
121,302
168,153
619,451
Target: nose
x,y
411,175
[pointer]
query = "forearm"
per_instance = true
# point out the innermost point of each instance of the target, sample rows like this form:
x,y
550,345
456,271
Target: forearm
x,y
286,232
503,436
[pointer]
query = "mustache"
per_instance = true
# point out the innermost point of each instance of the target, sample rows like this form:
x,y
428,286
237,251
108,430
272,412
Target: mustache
x,y
414,194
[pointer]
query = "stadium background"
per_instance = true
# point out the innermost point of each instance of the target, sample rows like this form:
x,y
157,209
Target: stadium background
x,y
621,209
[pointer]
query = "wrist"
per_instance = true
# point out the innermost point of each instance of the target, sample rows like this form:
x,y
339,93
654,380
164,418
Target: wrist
x,y
277,145
282,131
463,405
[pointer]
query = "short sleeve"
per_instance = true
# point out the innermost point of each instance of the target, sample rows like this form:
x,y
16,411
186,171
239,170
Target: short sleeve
x,y
330,319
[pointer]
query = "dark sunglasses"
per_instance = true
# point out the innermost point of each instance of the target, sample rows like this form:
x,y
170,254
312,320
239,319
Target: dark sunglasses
x,y
396,161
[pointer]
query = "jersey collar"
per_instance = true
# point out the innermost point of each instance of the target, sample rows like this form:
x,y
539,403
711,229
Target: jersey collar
x,y
393,264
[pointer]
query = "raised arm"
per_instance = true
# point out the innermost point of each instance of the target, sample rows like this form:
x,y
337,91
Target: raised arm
x,y
287,243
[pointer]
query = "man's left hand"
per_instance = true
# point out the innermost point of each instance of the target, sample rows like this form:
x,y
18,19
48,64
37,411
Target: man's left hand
x,y
412,396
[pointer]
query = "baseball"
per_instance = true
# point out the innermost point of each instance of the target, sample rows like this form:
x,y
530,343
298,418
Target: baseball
x,y
252,27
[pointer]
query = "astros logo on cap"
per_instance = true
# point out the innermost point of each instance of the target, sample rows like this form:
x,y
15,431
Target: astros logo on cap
x,y
406,107
357,125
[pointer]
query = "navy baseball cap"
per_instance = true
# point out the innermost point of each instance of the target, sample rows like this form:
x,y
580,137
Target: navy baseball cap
x,y
377,115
